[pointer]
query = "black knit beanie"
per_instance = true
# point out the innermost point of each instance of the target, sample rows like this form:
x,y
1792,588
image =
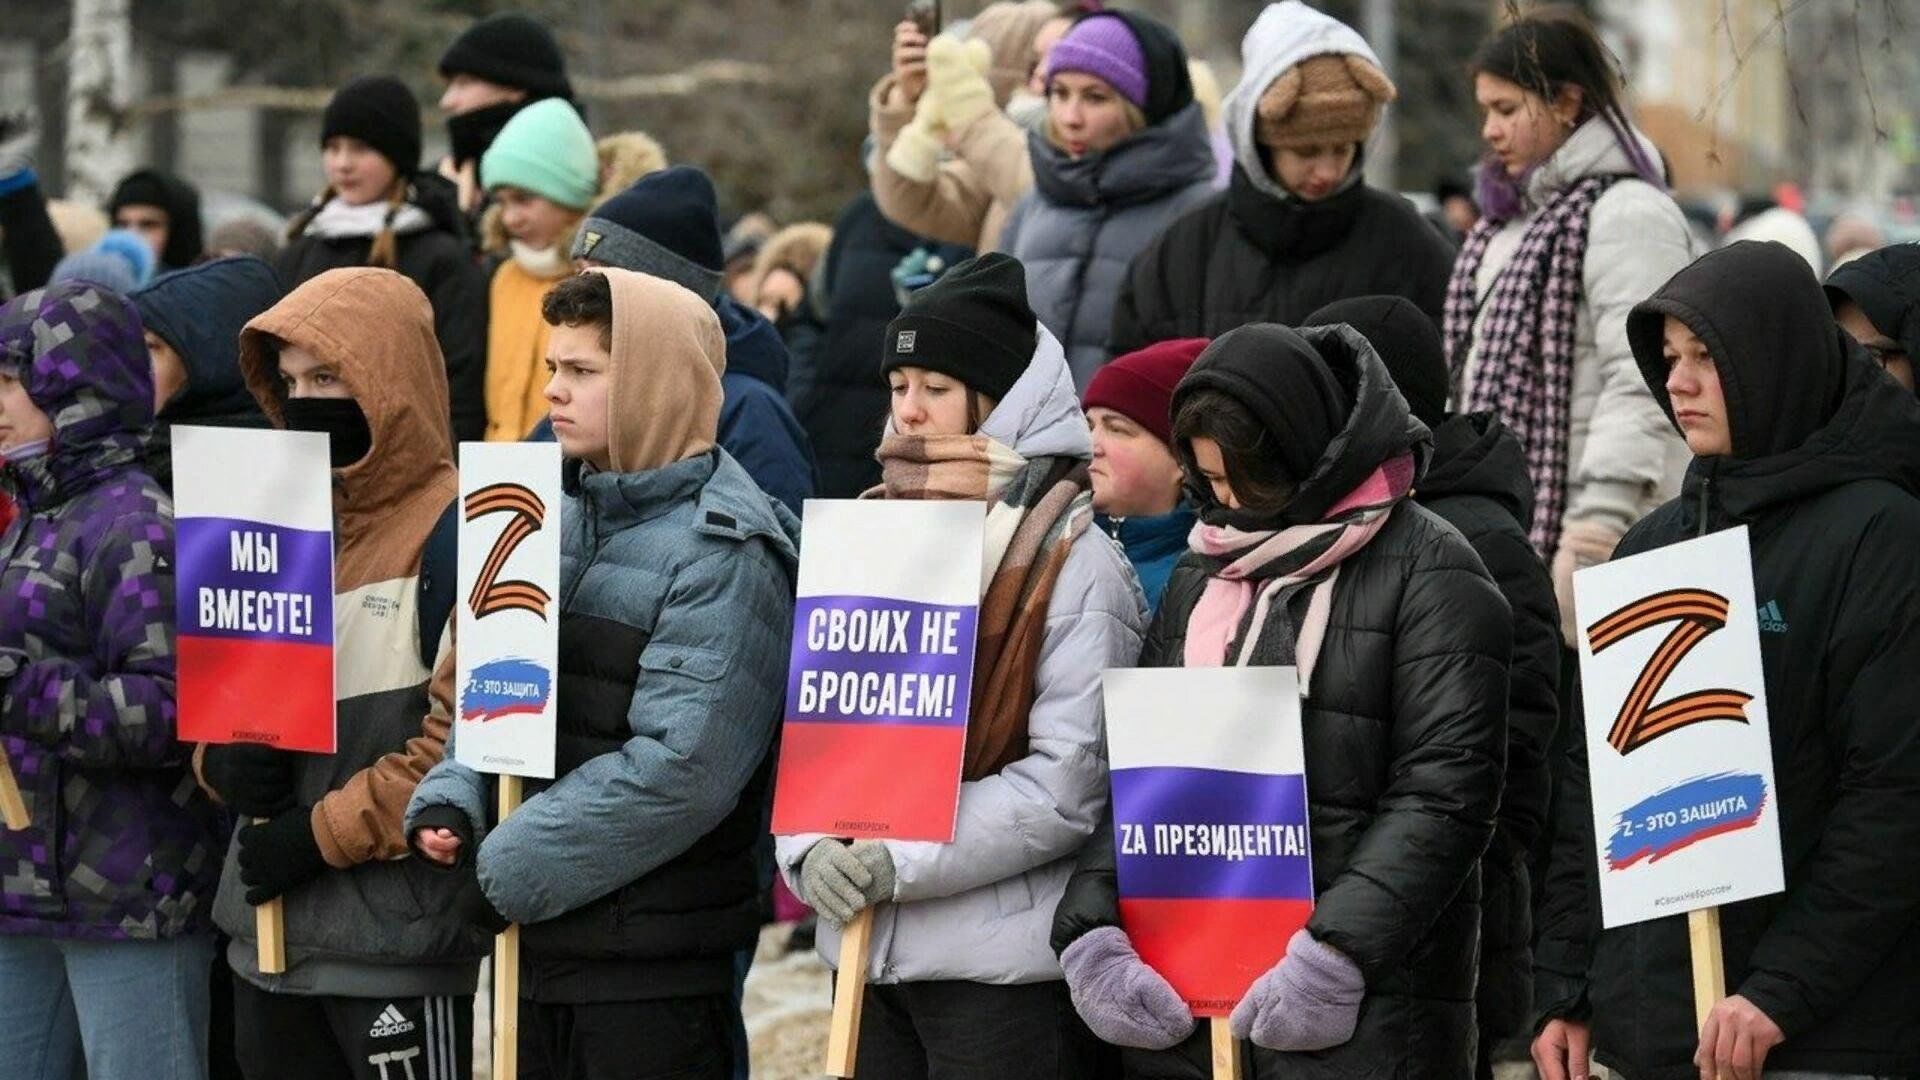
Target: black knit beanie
x,y
511,49
667,224
973,324
380,111
1408,343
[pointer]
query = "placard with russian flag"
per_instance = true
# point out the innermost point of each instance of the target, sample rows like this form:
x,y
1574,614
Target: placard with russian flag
x,y
506,612
882,669
253,510
1214,857
1679,759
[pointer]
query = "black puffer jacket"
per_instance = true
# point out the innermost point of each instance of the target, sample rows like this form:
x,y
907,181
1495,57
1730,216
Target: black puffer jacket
x,y
1478,483
837,391
440,261
1247,257
1824,471
1404,746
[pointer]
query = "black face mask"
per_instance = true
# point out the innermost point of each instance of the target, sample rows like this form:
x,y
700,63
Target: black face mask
x,y
470,133
340,419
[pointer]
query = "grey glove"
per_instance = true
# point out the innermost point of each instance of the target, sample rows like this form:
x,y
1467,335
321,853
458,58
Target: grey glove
x,y
1123,1001
1310,1000
841,880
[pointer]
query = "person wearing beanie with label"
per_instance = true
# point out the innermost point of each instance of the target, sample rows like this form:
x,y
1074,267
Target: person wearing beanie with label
x,y
667,225
1477,483
381,964
1125,152
542,173
1311,554
378,209
1138,487
105,941
984,409
1297,227
950,121
496,67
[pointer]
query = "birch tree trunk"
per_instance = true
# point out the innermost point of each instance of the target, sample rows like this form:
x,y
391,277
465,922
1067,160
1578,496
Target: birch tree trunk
x,y
100,50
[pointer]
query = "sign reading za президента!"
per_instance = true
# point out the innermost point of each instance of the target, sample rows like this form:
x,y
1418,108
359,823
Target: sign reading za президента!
x,y
508,629
1212,849
1678,755
881,675
253,511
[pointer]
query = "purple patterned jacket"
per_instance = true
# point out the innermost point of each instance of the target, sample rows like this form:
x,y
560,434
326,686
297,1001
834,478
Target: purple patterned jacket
x,y
123,844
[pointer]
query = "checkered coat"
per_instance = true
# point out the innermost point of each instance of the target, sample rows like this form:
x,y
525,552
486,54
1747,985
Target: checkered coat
x,y
122,844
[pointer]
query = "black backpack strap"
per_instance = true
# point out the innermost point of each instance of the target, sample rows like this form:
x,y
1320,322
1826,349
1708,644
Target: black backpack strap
x,y
439,577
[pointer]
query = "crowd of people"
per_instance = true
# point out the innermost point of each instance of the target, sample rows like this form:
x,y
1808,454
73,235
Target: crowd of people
x,y
1226,404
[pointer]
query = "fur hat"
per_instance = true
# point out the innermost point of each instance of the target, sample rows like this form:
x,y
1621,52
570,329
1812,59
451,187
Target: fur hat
x,y
1329,99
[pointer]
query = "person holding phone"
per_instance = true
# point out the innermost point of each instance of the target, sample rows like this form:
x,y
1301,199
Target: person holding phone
x,y
960,180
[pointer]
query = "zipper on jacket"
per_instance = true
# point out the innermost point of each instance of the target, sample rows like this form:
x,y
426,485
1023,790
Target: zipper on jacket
x,y
592,515
1706,497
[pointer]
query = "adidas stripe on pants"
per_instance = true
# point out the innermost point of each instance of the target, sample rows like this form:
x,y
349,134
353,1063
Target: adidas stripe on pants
x,y
296,1037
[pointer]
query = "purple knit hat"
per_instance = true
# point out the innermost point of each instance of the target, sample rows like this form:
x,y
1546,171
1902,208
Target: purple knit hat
x,y
1102,45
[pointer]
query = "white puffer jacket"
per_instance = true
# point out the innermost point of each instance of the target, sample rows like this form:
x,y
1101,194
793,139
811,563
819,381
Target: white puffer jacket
x,y
981,908
1623,456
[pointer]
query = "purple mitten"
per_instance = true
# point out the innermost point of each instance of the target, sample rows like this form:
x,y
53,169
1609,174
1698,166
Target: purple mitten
x,y
1123,1001
1310,1000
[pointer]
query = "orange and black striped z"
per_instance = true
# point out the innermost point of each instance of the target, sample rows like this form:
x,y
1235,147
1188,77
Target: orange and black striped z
x,y
1699,613
491,595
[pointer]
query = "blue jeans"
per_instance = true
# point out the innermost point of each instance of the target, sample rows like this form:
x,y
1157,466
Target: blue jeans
x,y
132,1009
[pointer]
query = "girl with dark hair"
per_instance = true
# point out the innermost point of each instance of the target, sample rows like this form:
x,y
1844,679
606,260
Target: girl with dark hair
x,y
379,209
1578,228
1300,455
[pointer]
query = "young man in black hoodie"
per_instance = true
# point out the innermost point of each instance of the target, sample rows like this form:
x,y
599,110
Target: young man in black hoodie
x,y
1798,436
1876,298
1477,481
165,211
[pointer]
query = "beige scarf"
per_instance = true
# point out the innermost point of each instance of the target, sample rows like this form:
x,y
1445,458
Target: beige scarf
x,y
1039,508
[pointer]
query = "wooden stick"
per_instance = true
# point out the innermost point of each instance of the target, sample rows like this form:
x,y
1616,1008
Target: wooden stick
x,y
13,809
506,971
1709,967
270,926
849,992
1226,1050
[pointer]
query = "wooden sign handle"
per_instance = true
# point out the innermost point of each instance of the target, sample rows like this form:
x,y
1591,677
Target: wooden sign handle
x,y
506,970
13,809
849,992
1709,966
1226,1050
270,926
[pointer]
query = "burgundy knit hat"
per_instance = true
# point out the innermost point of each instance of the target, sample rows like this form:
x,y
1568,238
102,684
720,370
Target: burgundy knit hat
x,y
1139,385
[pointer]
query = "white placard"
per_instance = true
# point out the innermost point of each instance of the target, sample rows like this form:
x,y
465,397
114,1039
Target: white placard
x,y
508,608
1685,812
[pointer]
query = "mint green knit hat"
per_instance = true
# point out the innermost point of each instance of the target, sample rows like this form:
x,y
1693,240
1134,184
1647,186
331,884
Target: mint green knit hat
x,y
545,149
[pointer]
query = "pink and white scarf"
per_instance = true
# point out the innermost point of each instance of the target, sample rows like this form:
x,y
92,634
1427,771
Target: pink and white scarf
x,y
1256,566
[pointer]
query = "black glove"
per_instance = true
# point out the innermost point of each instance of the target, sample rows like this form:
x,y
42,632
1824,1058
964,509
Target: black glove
x,y
279,856
473,906
443,817
256,780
